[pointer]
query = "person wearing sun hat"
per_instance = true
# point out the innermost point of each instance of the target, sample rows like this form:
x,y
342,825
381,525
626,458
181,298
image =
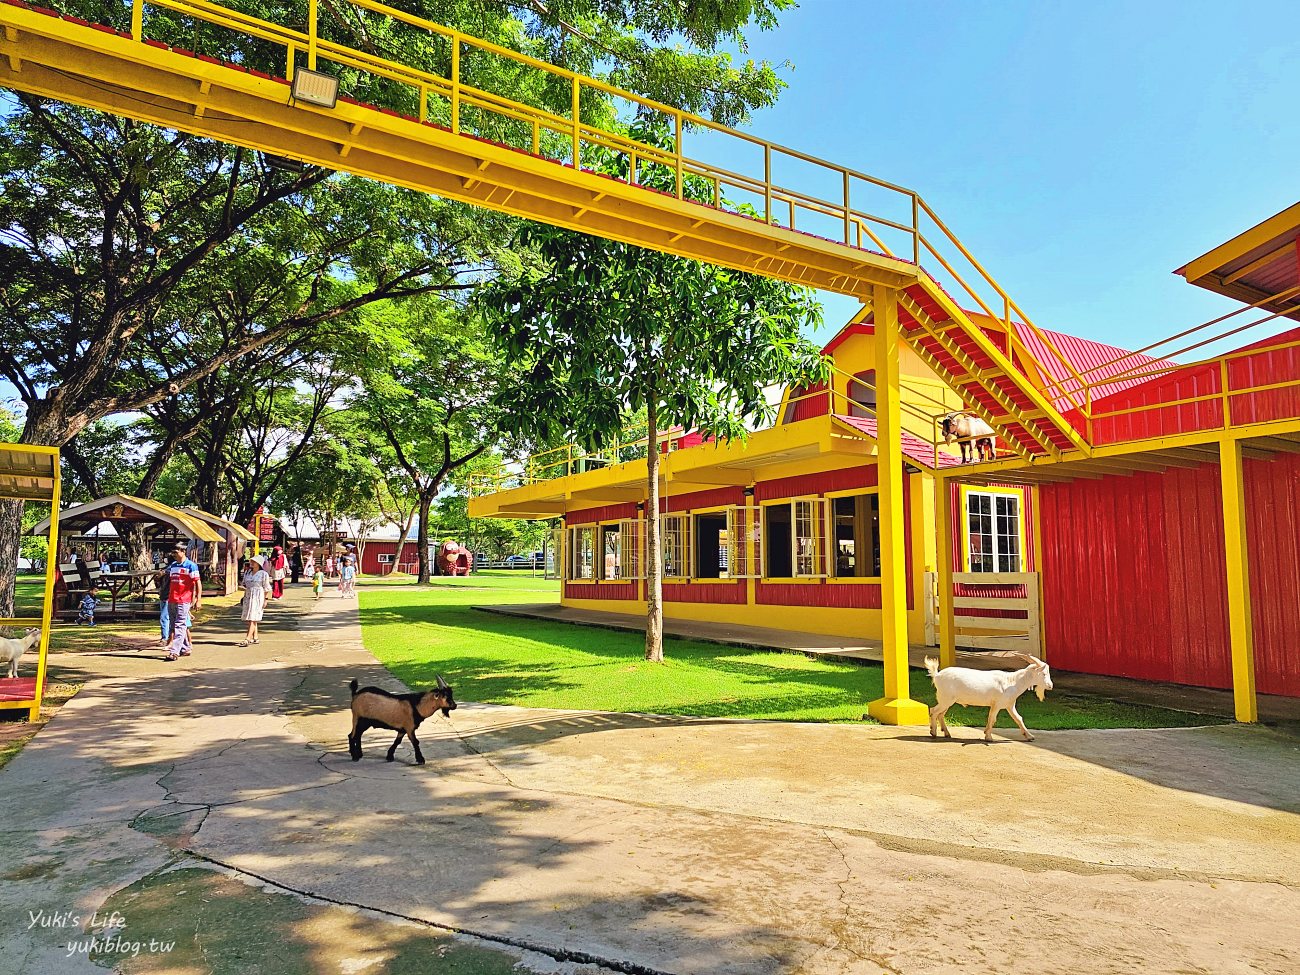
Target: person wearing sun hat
x,y
184,596
257,584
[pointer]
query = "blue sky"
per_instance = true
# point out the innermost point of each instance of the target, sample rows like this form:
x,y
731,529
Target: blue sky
x,y
1082,151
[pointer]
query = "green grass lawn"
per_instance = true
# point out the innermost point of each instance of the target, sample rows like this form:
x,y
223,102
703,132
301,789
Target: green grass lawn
x,y
514,579
418,632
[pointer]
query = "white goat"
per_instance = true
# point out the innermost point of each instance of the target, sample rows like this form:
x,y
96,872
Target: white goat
x,y
995,689
11,650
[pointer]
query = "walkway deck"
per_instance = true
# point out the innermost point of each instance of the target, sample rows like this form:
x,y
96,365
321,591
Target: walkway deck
x,y
1180,697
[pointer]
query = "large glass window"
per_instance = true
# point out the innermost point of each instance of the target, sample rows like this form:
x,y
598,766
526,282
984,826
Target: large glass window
x,y
711,556
856,525
993,531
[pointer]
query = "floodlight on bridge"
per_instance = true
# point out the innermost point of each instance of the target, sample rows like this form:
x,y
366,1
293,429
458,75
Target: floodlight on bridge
x,y
315,88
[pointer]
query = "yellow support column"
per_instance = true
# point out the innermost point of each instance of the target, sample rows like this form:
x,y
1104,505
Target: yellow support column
x,y
943,523
897,706
1241,630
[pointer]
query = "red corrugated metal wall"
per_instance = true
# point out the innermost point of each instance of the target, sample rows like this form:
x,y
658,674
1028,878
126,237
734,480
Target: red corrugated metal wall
x,y
370,564
847,595
610,512
1273,500
1133,577
729,593
703,499
603,590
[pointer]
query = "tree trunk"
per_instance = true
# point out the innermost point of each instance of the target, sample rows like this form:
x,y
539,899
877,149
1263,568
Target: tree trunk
x,y
654,583
11,539
422,537
136,540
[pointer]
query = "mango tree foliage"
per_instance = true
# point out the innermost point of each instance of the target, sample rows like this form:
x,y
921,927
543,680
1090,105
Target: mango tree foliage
x,y
599,329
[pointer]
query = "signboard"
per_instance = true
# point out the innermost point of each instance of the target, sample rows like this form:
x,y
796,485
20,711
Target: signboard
x,y
263,526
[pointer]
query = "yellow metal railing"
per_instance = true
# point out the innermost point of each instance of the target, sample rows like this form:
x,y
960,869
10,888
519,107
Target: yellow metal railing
x,y
772,185
925,425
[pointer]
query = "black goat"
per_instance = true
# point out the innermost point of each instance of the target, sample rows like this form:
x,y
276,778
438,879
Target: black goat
x,y
374,707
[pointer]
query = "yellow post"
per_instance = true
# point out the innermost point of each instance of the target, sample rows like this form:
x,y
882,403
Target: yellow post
x,y
137,20
1241,631
257,533
896,707
943,526
311,33
47,607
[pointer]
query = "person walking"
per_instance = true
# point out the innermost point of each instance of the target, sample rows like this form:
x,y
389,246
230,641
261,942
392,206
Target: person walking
x,y
318,581
347,577
161,581
295,564
256,583
277,566
184,596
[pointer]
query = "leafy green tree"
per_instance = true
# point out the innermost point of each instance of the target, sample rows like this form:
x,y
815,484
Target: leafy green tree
x,y
600,329
430,392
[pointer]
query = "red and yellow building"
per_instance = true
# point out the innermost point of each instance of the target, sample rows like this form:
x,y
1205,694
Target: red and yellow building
x,y
1152,534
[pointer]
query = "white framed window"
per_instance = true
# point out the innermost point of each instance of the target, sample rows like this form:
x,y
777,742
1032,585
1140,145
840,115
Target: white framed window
x,y
630,563
993,531
744,542
674,536
794,537
386,559
582,553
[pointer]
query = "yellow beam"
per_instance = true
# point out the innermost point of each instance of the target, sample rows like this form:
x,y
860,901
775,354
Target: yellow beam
x,y
944,529
1241,630
1282,223
897,706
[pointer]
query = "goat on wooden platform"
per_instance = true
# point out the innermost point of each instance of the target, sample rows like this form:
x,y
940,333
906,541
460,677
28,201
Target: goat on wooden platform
x,y
374,707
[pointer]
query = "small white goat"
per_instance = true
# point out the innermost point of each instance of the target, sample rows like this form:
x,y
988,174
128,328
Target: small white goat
x,y
995,689
11,650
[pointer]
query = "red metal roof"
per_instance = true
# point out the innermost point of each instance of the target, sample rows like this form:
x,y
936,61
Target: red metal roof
x,y
1091,360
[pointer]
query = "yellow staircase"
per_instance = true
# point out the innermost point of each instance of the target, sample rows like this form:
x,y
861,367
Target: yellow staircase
x,y
784,232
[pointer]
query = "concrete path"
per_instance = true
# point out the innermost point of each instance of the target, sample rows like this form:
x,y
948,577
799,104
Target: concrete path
x,y
1200,700
212,802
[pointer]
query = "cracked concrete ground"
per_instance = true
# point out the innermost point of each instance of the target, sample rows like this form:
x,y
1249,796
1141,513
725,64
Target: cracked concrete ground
x,y
212,803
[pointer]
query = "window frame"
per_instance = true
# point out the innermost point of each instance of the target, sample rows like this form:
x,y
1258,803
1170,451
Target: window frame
x,y
692,539
831,498
685,535
966,491
797,577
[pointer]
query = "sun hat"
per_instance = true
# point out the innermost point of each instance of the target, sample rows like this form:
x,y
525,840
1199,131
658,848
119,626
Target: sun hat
x,y
259,559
